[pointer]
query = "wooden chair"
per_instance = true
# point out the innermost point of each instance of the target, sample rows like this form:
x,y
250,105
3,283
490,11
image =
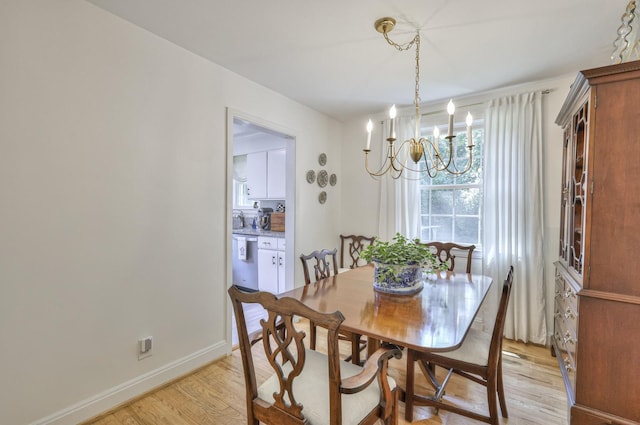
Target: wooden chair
x,y
309,387
322,268
325,265
354,246
444,254
478,359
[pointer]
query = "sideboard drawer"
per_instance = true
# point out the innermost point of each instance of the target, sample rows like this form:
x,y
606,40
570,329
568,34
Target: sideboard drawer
x,y
565,336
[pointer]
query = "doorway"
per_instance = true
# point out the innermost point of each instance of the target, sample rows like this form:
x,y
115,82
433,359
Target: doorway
x,y
249,138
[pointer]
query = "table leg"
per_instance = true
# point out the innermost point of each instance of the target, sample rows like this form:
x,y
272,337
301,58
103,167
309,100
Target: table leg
x,y
372,346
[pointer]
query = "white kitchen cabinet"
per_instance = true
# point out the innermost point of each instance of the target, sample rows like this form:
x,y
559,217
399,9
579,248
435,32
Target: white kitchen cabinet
x,y
276,172
271,264
257,175
266,173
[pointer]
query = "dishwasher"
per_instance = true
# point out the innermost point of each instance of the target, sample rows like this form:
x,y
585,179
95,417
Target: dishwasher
x,y
245,265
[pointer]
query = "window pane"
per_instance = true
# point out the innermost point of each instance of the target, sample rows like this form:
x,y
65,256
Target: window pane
x,y
474,175
425,196
442,201
429,233
467,230
425,220
442,228
443,178
467,201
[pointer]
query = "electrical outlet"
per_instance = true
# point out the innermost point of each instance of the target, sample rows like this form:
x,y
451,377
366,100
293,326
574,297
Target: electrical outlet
x,y
144,347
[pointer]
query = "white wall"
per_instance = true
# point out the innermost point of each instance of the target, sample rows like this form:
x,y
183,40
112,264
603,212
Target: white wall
x,y
113,223
360,199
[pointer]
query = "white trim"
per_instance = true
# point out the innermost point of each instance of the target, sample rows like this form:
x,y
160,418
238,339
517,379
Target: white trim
x,y
93,406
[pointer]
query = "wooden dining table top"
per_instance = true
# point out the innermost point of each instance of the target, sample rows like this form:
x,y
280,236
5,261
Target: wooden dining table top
x,y
435,319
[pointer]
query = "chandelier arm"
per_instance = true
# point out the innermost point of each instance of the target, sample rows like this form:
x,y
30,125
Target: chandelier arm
x,y
431,171
446,166
431,157
438,158
384,168
456,171
469,163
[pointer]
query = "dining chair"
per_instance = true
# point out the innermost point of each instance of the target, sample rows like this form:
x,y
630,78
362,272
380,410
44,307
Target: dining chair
x,y
444,253
308,387
325,265
353,245
479,359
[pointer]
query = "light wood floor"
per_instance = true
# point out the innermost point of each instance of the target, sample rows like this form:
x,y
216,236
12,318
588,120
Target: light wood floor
x,y
215,394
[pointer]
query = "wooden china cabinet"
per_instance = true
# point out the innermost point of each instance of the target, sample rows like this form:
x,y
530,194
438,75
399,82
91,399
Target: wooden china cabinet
x,y
597,302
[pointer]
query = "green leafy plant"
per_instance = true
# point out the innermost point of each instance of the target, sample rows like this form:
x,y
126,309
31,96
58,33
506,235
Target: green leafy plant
x,y
401,251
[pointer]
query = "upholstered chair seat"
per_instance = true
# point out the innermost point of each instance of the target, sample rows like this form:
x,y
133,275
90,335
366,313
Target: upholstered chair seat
x,y
312,391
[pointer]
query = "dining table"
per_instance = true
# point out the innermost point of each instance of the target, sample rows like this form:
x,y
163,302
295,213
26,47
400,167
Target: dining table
x,y
437,318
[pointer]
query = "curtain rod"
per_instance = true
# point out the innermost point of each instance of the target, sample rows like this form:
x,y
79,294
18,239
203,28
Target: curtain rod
x,y
470,105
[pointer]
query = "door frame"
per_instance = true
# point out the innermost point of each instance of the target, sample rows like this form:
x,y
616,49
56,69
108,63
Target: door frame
x,y
290,212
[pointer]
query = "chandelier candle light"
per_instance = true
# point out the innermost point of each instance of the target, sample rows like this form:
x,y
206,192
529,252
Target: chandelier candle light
x,y
418,148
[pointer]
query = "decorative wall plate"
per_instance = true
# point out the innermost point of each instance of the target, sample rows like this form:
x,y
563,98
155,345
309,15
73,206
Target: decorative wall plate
x,y
322,159
333,180
322,198
311,176
323,178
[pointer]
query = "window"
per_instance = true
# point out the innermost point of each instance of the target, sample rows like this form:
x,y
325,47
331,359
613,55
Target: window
x,y
240,195
240,198
451,206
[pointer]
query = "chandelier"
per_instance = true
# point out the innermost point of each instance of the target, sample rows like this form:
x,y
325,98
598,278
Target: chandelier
x,y
427,154
626,46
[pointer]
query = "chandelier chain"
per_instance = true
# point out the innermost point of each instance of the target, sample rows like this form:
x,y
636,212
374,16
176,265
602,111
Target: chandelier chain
x,y
416,99
401,47
626,45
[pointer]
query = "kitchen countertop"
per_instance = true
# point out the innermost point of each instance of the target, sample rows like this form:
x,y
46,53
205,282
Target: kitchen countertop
x,y
255,232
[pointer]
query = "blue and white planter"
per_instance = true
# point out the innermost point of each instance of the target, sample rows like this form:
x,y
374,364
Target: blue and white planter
x,y
406,279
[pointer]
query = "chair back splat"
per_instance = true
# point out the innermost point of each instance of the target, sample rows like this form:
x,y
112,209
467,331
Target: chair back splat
x,y
308,386
352,246
323,262
444,252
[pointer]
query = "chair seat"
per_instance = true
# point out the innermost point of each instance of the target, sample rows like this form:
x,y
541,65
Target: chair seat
x,y
312,391
474,350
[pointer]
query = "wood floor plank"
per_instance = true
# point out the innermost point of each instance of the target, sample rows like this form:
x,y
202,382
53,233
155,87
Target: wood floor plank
x,y
215,394
125,416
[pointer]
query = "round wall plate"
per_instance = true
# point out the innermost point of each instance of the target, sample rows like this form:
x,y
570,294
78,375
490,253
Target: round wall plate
x,y
333,180
322,198
322,159
323,178
311,176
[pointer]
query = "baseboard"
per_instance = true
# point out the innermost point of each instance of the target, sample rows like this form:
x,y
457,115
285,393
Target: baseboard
x,y
102,402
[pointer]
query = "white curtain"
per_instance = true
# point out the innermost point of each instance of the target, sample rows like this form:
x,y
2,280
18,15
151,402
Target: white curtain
x,y
513,210
399,199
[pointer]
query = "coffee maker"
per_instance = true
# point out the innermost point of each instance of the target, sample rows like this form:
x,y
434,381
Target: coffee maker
x,y
264,218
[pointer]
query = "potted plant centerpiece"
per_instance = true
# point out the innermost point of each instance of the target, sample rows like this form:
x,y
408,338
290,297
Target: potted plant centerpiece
x,y
399,264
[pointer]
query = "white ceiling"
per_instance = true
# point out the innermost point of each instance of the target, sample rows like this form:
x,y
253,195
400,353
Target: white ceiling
x,y
327,55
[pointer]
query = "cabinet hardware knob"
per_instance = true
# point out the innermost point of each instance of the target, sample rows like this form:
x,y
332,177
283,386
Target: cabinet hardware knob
x,y
567,364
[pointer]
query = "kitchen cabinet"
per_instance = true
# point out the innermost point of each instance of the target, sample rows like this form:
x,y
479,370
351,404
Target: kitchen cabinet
x,y
271,264
266,172
597,302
